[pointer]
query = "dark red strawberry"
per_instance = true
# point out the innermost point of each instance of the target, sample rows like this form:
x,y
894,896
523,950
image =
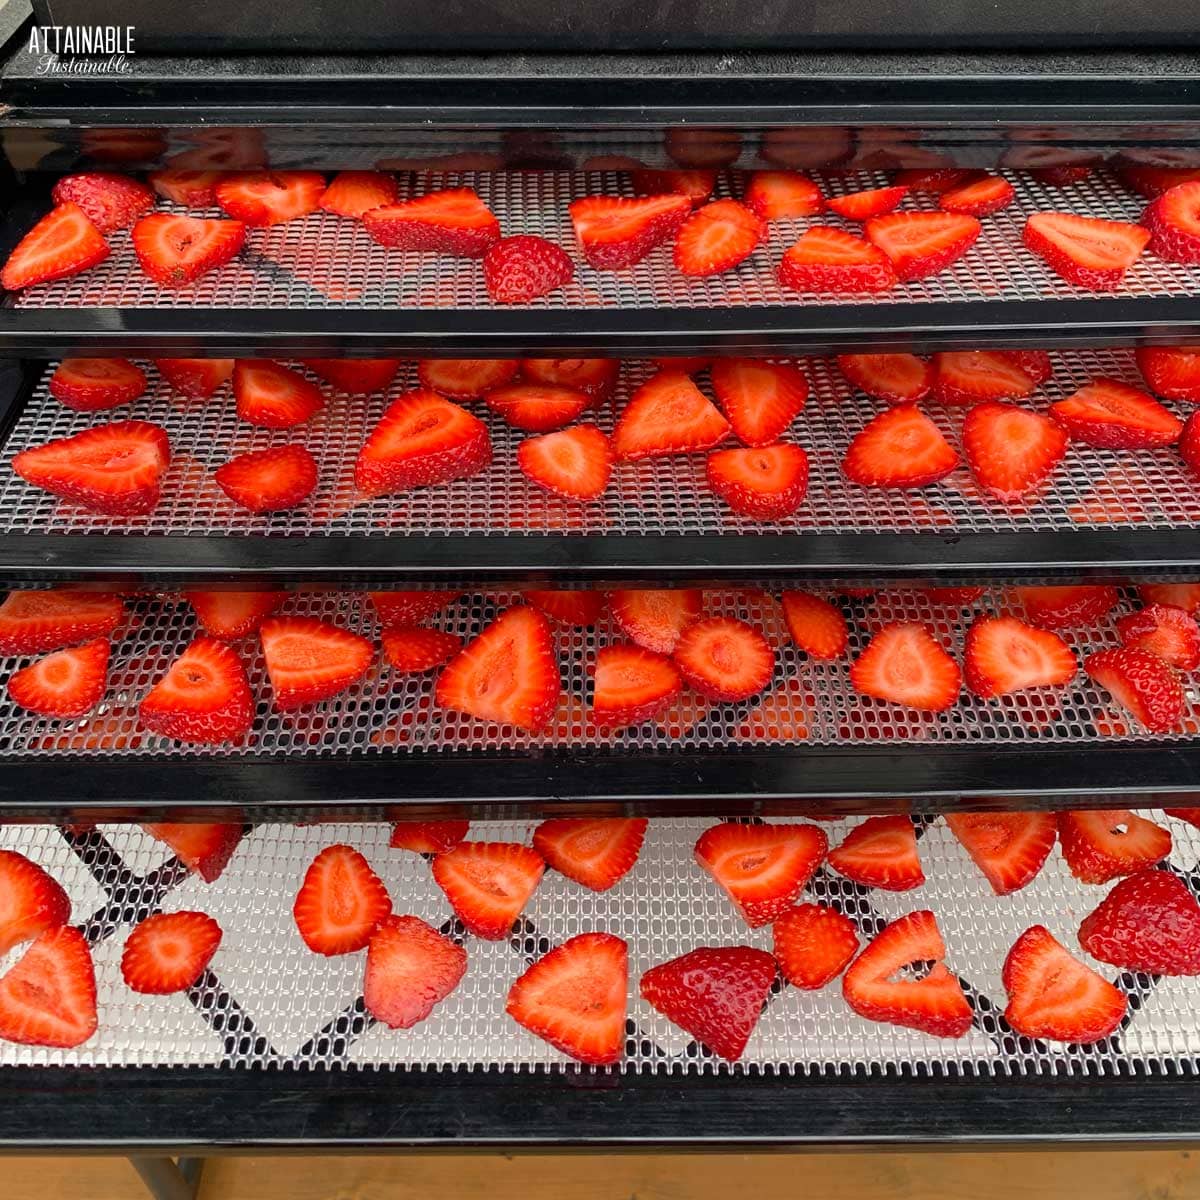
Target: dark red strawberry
x,y
1073,606
341,902
724,658
272,396
269,480
195,378
192,189
519,269
31,901
935,181
817,626
309,660
413,649
582,606
204,698
979,196
1004,655
488,884
1141,683
861,206
270,197
428,837
777,195
1164,630
697,186
1149,922
51,618
168,952
900,448
1114,416
1173,220
466,378
411,968
353,194
174,251
760,398
1010,848
1087,251
880,853
615,232
632,685
813,945
233,615
409,608
905,664
1061,175
49,997
357,376
1104,844
454,222
1011,451
596,376
573,463
111,201
920,244
826,260
655,618
966,377
892,378
95,384
667,415
205,849
716,237
537,407
597,852
1172,372
63,243
66,683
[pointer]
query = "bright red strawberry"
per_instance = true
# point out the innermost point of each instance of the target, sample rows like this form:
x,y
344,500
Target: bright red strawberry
x,y
168,952
192,189
341,902
880,853
1074,606
269,480
899,448
519,269
1149,922
195,378
230,616
597,852
966,377
63,243
655,618
31,901
1114,416
95,384
466,378
978,197
508,674
537,407
760,398
1086,251
715,993
270,197
1011,451
763,868
49,997
1172,372
573,463
776,195
1051,994
205,849
272,396
1141,683
353,194
1010,848
488,884
357,376
409,608
632,685
575,997
724,659
875,987
667,415
920,244
615,232
905,664
813,945
1164,630
1173,220
421,440
310,660
570,606
817,626
411,968
412,649
936,181
764,483
110,201
826,260
66,683
114,469
892,378
1182,595
174,251
861,206
1004,655
596,376
204,698
428,837
717,237
49,619
454,222
1104,844
697,186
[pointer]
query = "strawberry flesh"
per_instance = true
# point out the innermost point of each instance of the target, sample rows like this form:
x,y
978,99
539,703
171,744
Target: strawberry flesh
x,y
905,664
1010,848
1105,844
270,480
1087,251
51,618
892,378
777,195
204,698
454,222
966,377
1011,451
920,244
1173,220
353,194
667,415
230,616
615,232
66,683
340,903
63,243
813,945
355,376
573,463
1172,372
817,626
467,378
760,399
570,606
717,237
825,260
1112,415
174,251
96,384
428,837
1164,630
655,618
488,884
880,853
31,902
273,397
49,997
411,968
978,197
169,952
1141,683
1004,655
631,686
270,197
195,378
874,202
537,407
765,483
1072,606
309,660
413,649
205,849
899,448
597,852
724,659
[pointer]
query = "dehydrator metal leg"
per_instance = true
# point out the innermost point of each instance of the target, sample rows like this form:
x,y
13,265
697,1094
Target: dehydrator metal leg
x,y
168,1179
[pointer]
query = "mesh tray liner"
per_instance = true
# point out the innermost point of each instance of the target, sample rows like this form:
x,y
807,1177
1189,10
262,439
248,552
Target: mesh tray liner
x,y
323,261
267,1002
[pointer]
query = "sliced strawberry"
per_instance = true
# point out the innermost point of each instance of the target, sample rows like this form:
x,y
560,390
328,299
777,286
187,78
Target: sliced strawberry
x,y
1104,844
935,182
341,902
1086,251
95,384
1010,848
174,251
508,674
615,232
654,618
1164,630
1114,416
826,259
168,952
49,997
310,660
205,849
905,664
537,407
724,659
892,378
1003,655
876,988
230,616
1174,224
466,378
764,483
813,945
409,608
760,398
519,269
954,597
31,622
667,415
715,993
269,480
596,376
63,243
454,222
1037,364
1182,595
1051,994
411,968
920,244
1151,179
632,685
900,448
1172,372
1011,451
66,683
874,202
204,698
192,189
817,626
114,469
575,997
573,463
1074,606
111,201
357,376
428,837
1141,683
966,377
697,186
717,237
196,378
421,440
1149,922
978,197
354,193
1061,175
272,396
412,649
570,606
31,901
270,197
880,853
776,195
597,852
488,884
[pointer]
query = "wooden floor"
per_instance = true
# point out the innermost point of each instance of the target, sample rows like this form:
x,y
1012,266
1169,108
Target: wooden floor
x,y
1095,1175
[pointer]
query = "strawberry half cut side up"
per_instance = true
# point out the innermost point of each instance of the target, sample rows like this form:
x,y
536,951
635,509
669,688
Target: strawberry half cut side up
x,y
414,649
874,202
454,222
488,884
204,698
826,259
1010,848
270,197
1104,844
174,251
272,396
50,618
760,399
966,377
979,197
777,195
411,969
631,686
468,378
66,683
1165,630
573,463
764,483
537,407
49,997
195,378
31,901
63,243
340,902
1086,251
905,664
615,232
597,852
310,660
1011,451
881,853
353,194
1149,922
717,237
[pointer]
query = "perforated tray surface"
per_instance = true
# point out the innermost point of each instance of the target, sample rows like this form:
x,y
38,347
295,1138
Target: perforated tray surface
x,y
266,1002
1090,489
323,261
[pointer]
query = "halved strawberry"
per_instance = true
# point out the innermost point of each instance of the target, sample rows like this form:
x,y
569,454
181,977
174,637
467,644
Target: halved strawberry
x,y
1182,595
632,685
272,396
615,232
1051,994
233,615
1011,451
309,660
813,945
597,852
519,269
31,901
826,259
115,469
204,698
1149,922
874,202
574,463
776,195
575,997
596,376
411,968
724,658
428,837
668,414
174,251
192,189
934,181
454,222
196,378
412,649
270,197
764,483
341,902
899,448
466,378
49,997
697,186
717,237
94,384
168,952
968,377
1073,606
1164,630
1087,251
817,626
66,683
409,608
892,378
537,407
488,884
920,244
654,618
1172,372
357,376
570,606
269,480
760,398
49,619
876,987
204,848
421,440
354,193
111,201
1003,655
763,868
1114,416
1010,848
507,674
1104,844
715,993
63,243
880,853
1141,683
1173,220
905,664
979,196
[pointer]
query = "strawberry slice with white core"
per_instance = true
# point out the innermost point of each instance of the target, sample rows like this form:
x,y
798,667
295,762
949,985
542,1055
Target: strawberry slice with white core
x,y
905,664
204,698
1011,451
67,683
632,685
777,195
979,197
1087,251
596,376
573,463
1004,655
900,448
270,197
880,853
874,202
966,377
488,884
1172,372
893,378
49,997
668,415
724,658
310,660
341,902
353,194
655,618
466,378
49,618
233,615
597,852
717,237
169,952
204,848
31,901
537,407
195,378
174,251
191,189
817,626
1104,844
63,243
